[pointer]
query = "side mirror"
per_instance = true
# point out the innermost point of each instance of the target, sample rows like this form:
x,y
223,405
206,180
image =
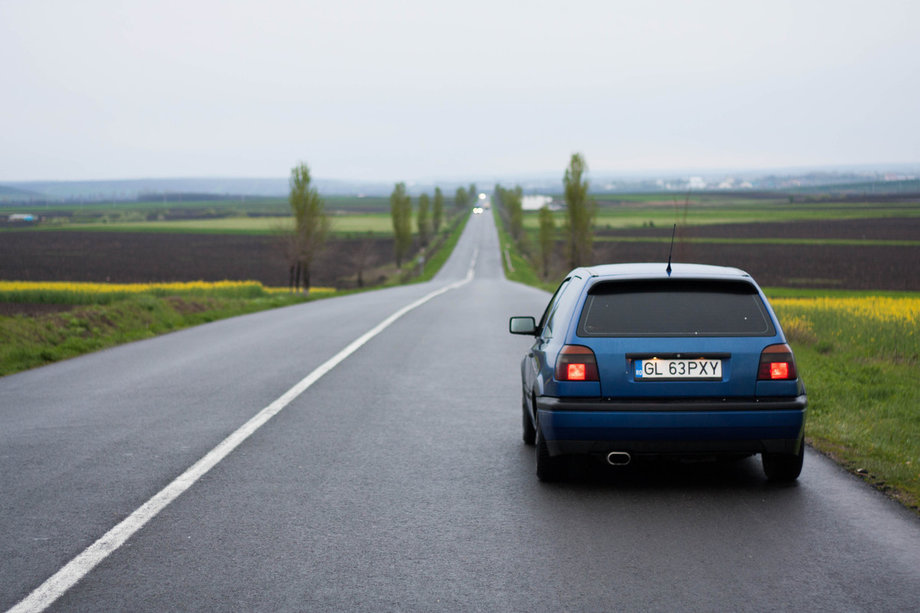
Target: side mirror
x,y
522,325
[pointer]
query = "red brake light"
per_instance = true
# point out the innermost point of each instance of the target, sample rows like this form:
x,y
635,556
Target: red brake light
x,y
779,370
576,363
777,364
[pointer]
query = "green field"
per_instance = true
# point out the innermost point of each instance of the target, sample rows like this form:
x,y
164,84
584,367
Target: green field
x,y
631,214
763,241
258,216
377,223
256,205
30,341
352,214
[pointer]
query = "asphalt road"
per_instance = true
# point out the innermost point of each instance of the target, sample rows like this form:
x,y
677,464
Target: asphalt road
x,y
399,481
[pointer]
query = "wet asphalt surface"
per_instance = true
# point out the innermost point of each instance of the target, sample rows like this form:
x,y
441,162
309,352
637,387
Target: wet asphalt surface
x,y
399,481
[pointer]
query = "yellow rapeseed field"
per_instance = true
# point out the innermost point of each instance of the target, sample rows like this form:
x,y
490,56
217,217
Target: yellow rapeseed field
x,y
109,288
874,325
70,292
878,308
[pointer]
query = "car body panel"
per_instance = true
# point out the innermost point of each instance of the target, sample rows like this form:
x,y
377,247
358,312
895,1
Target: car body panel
x,y
736,413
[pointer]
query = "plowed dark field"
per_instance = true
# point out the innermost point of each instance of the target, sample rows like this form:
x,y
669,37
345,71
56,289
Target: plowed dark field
x,y
817,266
152,257
890,228
852,266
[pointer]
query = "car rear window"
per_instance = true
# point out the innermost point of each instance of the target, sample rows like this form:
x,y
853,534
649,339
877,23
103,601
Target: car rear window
x,y
674,308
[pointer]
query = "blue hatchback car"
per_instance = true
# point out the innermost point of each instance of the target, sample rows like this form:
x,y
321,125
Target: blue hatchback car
x,y
646,359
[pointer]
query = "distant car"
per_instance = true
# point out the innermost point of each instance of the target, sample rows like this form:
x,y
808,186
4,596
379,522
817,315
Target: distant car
x,y
477,210
646,359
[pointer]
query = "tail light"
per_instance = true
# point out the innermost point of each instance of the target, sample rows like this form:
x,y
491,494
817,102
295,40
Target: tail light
x,y
576,363
777,364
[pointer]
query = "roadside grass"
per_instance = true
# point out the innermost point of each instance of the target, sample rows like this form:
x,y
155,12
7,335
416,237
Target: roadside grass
x,y
115,318
860,359
94,316
516,266
427,261
441,248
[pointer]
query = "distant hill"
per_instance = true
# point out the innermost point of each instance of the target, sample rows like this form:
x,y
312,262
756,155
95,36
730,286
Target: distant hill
x,y
907,187
15,194
897,179
130,189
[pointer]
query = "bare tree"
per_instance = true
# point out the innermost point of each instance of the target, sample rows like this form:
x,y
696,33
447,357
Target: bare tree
x,y
363,256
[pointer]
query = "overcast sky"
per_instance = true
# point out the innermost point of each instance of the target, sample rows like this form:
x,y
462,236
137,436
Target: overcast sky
x,y
427,89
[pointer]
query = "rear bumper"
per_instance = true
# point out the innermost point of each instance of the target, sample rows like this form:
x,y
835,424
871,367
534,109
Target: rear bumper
x,y
573,426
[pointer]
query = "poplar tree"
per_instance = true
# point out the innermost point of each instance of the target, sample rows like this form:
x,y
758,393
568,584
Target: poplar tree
x,y
546,238
401,213
311,225
461,199
422,219
581,210
514,202
437,213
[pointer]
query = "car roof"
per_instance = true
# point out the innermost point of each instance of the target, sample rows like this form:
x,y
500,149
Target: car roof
x,y
658,270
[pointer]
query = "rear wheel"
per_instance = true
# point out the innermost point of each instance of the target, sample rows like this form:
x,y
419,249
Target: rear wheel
x,y
530,433
549,468
784,467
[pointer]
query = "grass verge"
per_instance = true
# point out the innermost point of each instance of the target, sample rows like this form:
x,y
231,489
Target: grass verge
x,y
516,266
438,252
860,359
27,341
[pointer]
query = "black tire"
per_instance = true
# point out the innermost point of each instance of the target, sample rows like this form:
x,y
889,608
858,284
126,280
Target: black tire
x,y
530,433
783,467
549,468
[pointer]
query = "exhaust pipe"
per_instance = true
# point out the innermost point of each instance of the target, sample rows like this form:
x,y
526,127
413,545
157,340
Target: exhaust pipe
x,y
618,458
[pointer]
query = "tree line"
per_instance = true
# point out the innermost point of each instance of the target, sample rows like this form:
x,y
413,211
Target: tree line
x,y
578,230
311,222
307,238
429,218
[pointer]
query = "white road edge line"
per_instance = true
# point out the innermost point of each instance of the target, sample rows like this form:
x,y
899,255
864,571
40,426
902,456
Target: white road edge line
x,y
56,585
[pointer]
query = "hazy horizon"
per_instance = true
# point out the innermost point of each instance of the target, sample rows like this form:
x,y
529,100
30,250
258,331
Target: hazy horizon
x,y
674,173
415,91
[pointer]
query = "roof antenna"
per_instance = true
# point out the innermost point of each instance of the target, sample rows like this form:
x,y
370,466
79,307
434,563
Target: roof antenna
x,y
671,250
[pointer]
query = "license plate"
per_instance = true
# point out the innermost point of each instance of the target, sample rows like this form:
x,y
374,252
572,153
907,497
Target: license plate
x,y
700,369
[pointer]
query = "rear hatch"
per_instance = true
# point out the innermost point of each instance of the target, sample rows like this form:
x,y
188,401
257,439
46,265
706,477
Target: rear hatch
x,y
676,338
